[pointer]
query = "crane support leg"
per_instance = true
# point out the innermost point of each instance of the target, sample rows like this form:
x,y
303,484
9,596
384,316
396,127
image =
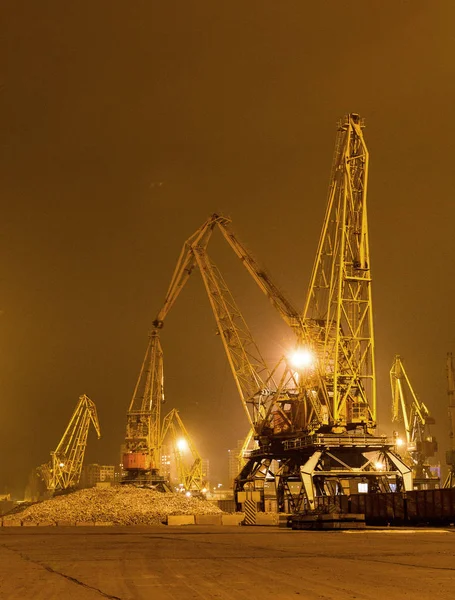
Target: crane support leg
x,y
450,480
403,469
306,475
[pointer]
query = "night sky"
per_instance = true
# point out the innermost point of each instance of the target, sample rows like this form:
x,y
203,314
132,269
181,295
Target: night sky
x,y
124,125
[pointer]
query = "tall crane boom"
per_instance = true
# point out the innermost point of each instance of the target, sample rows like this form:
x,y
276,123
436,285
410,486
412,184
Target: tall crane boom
x,y
285,308
185,265
407,408
64,469
187,261
254,381
338,309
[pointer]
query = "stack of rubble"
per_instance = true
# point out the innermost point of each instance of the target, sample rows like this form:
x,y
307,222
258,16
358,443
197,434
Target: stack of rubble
x,y
122,505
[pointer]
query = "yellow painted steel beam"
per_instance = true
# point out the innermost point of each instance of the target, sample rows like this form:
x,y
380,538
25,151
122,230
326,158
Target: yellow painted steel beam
x,y
64,469
338,309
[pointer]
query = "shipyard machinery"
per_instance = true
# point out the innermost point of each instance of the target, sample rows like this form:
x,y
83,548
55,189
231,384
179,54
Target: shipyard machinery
x,y
450,454
256,384
187,459
63,472
145,434
313,415
143,440
261,388
419,445
326,438
142,450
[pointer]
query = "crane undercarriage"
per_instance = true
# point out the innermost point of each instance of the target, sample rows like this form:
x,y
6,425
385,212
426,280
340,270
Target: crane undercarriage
x,y
298,469
149,478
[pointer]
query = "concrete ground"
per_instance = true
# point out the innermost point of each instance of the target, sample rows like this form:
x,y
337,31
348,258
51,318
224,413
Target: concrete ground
x,y
245,563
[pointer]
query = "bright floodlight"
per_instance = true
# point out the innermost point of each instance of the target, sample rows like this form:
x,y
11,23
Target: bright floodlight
x,y
182,445
379,466
399,442
301,358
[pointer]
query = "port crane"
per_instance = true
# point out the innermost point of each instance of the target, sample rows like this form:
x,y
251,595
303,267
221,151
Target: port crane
x,y
263,391
450,454
142,450
262,397
188,461
63,471
145,433
254,381
315,417
420,445
333,446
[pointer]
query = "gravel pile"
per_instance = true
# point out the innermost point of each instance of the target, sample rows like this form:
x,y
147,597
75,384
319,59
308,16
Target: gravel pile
x,y
120,505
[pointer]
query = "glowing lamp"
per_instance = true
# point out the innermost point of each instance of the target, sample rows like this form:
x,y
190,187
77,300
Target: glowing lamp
x,y
182,445
301,358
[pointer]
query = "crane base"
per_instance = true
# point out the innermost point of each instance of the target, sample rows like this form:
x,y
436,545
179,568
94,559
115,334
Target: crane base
x,y
148,479
299,469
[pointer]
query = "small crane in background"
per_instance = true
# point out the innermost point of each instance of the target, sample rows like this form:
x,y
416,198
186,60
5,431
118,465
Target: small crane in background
x,y
63,471
142,450
188,462
420,445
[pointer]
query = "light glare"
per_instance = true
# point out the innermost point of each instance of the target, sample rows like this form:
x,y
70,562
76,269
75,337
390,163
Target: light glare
x,y
182,445
301,358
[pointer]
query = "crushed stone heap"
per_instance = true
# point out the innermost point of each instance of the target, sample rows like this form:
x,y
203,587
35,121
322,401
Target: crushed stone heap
x,y
120,505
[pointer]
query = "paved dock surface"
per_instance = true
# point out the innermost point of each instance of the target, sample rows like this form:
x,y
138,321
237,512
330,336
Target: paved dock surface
x,y
242,563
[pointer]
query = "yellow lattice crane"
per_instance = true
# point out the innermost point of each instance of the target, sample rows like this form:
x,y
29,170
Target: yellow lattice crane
x,y
419,444
142,451
262,390
338,309
63,472
320,421
314,414
331,444
187,460
338,447
265,394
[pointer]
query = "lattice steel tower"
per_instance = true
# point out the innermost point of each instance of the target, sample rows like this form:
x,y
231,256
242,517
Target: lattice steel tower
x,y
331,445
338,310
